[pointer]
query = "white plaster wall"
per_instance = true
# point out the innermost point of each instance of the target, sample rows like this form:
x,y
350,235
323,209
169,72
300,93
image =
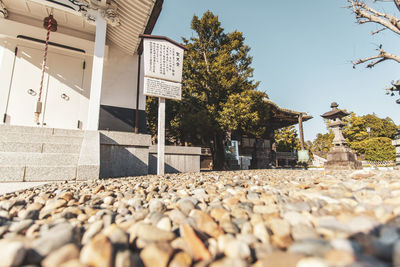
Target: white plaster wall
x,y
119,85
120,69
60,29
12,29
6,64
1,54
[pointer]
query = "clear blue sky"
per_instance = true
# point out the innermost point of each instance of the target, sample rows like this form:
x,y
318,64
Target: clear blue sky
x,y
301,53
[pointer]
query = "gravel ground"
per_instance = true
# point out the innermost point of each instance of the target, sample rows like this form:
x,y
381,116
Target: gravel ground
x,y
244,218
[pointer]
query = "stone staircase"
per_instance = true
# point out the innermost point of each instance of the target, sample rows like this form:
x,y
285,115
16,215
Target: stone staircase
x,y
30,154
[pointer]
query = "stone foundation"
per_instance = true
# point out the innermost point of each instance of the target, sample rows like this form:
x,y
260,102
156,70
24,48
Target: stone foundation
x,y
341,158
177,159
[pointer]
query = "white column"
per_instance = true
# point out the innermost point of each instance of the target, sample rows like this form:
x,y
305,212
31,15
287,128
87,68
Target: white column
x,y
97,73
161,136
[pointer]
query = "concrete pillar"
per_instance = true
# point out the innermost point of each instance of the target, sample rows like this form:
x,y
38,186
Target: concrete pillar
x,y
97,74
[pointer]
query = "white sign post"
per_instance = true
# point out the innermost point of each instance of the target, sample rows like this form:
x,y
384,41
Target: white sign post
x,y
161,136
163,61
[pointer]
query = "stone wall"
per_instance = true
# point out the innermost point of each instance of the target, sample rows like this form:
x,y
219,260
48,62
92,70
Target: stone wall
x,y
123,154
177,159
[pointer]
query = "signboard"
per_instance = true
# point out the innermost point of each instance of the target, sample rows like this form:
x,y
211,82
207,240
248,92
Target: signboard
x,y
162,60
160,88
303,155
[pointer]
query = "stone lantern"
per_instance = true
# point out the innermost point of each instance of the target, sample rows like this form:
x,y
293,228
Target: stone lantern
x,y
340,156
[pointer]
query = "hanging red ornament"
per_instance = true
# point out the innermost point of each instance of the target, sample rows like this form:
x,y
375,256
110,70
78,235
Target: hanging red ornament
x,y
50,24
53,23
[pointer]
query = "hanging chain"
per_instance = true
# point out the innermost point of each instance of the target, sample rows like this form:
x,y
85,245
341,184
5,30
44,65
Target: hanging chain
x,y
39,103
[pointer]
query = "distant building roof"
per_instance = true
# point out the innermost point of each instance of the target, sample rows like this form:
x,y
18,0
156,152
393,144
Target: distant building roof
x,y
281,117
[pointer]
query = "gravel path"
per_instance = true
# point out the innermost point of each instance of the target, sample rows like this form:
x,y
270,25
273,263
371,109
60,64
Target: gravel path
x,y
244,218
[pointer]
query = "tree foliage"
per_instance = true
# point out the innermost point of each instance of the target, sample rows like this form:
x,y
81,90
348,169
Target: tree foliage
x,y
218,94
322,144
369,136
374,145
286,139
246,113
356,130
378,149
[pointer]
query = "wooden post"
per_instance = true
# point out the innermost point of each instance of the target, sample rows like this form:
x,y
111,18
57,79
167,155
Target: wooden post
x,y
301,131
161,136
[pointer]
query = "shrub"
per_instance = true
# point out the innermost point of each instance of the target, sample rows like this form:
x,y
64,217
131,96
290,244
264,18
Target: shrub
x,y
379,149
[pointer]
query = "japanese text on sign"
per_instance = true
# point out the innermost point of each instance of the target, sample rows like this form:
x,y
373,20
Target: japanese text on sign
x,y
160,88
163,60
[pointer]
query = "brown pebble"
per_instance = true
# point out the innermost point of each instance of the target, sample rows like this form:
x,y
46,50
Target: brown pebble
x,y
181,259
194,245
156,254
98,252
206,224
98,189
279,259
340,257
73,263
61,255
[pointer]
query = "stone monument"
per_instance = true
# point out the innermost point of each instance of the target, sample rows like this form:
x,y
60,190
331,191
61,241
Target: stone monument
x,y
340,157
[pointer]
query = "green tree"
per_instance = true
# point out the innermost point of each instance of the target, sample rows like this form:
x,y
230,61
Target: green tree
x,y
218,94
356,127
379,149
322,144
286,139
374,145
246,113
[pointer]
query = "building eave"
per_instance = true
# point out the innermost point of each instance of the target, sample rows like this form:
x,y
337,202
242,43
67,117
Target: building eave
x,y
127,19
281,117
126,36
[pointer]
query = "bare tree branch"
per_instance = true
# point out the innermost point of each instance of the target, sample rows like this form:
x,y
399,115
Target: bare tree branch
x,y
378,31
365,14
382,56
396,2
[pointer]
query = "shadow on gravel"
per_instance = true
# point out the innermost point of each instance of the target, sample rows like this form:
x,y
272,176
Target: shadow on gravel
x,y
379,247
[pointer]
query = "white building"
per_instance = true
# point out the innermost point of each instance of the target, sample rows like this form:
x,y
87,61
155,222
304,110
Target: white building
x,y
90,83
92,62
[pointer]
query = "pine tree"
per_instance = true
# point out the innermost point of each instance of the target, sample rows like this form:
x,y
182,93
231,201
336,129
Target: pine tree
x,y
218,94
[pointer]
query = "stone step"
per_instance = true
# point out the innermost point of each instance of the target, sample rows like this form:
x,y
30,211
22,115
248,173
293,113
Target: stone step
x,y
39,131
15,137
37,173
39,147
37,159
